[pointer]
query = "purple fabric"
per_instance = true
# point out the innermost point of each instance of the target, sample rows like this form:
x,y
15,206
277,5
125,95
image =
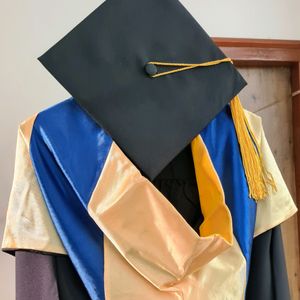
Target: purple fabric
x,y
35,277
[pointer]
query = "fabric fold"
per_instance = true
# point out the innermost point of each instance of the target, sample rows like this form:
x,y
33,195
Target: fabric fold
x,y
146,229
75,192
28,224
278,205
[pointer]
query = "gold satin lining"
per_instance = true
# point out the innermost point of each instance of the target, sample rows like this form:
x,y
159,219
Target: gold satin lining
x,y
211,194
122,282
223,277
28,224
148,231
278,206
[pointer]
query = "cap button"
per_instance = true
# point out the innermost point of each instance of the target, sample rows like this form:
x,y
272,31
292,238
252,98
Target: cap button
x,y
150,69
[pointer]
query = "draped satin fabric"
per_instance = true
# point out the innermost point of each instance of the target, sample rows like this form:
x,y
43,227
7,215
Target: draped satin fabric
x,y
159,244
76,193
28,224
279,205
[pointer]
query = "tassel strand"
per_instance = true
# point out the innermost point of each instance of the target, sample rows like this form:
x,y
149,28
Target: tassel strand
x,y
258,177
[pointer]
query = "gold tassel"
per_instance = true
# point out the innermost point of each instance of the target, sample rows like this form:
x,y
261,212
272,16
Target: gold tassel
x,y
258,177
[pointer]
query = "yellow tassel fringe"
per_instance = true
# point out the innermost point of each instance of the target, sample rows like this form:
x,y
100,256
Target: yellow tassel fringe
x,y
258,177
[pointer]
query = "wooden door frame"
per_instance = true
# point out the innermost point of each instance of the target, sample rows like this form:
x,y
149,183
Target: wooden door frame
x,y
272,53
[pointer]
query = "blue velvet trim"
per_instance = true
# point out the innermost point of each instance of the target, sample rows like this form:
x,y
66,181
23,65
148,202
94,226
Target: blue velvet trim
x,y
68,151
222,144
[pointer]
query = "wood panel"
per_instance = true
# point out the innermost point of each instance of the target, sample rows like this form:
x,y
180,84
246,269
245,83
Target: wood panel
x,y
269,95
260,52
295,81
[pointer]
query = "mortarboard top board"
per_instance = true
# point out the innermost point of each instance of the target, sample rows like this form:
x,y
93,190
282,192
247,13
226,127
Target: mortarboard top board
x,y
102,62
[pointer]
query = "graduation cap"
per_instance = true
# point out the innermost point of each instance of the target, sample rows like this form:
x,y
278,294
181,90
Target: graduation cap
x,y
147,73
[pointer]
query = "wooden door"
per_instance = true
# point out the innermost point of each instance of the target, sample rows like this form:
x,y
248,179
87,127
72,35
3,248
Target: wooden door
x,y
269,95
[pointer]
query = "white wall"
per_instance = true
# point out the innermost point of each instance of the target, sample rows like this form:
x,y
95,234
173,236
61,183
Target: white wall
x,y
28,28
270,19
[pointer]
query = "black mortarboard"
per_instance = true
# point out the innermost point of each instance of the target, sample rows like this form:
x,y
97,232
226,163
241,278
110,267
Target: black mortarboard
x,y
102,62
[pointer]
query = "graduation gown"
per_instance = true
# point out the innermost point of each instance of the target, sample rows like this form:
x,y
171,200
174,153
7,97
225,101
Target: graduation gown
x,y
137,188
85,223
